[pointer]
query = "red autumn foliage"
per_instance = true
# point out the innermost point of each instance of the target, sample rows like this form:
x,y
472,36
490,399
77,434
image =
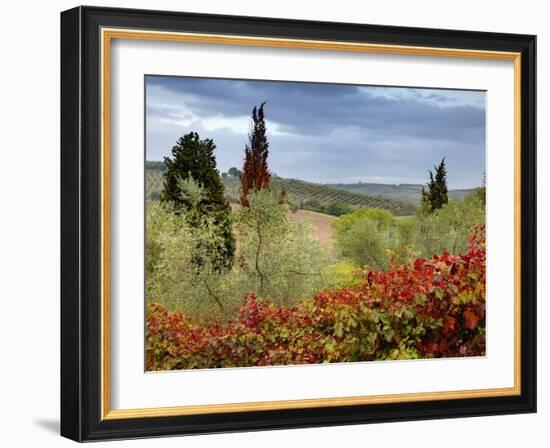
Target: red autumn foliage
x,y
255,173
427,308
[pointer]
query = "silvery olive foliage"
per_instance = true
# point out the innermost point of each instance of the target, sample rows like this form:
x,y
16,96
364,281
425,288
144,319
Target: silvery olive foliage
x,y
372,238
182,269
277,259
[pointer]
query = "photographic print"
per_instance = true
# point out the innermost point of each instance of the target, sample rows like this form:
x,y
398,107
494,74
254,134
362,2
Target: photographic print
x,y
300,223
344,212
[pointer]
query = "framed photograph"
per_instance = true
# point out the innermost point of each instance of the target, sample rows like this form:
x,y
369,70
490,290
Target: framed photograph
x,y
274,223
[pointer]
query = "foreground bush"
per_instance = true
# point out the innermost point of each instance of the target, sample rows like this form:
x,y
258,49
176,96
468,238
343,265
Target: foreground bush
x,y
372,237
276,257
427,308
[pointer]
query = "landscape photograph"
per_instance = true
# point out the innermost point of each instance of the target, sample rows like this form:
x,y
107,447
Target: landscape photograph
x,y
291,223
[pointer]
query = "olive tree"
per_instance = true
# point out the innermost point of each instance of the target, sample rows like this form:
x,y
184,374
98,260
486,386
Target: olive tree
x,y
182,271
364,243
276,258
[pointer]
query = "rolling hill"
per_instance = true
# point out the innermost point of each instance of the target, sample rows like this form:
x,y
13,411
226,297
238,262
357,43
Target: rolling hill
x,y
410,193
298,192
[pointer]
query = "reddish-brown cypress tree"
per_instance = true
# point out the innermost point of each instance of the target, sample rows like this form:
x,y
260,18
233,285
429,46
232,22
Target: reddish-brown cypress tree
x,y
255,174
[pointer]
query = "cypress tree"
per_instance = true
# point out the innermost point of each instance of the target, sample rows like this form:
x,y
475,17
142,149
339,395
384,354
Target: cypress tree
x,y
193,159
436,195
255,174
481,192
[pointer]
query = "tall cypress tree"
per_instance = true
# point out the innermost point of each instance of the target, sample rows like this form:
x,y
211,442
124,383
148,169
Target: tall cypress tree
x,y
481,192
437,194
193,158
255,174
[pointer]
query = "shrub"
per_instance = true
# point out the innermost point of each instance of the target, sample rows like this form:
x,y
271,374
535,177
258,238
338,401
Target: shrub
x,y
448,228
191,181
277,258
345,274
313,205
365,237
427,308
337,209
383,219
181,266
372,236
364,244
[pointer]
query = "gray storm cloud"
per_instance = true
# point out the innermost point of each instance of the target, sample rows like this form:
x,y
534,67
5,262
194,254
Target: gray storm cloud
x,y
326,132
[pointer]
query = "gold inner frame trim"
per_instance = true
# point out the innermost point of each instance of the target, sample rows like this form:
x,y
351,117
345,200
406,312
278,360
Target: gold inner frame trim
x,y
107,35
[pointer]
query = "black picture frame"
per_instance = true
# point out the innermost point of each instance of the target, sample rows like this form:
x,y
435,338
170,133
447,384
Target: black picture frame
x,y
81,224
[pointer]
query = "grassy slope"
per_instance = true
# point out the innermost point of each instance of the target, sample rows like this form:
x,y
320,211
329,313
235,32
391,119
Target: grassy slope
x,y
322,227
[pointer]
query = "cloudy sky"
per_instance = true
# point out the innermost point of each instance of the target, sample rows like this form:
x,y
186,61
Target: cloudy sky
x,y
326,133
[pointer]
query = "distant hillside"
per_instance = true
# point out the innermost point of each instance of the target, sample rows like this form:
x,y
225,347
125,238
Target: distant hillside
x,y
410,193
302,194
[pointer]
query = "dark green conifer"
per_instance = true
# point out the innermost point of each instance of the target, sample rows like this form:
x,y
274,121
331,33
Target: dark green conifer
x,y
437,194
193,158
